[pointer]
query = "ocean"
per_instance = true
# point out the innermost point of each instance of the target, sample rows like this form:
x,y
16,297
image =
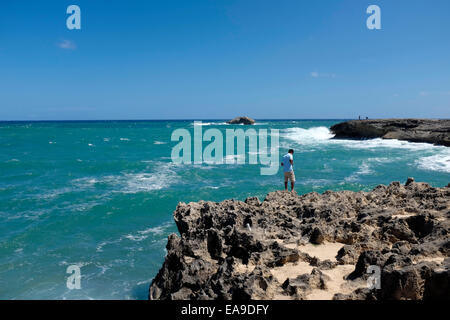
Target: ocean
x,y
100,194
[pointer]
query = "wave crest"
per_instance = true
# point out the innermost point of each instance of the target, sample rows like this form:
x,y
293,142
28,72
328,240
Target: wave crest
x,y
313,134
438,162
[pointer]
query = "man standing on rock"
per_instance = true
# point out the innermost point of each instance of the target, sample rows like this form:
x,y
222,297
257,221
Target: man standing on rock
x,y
288,165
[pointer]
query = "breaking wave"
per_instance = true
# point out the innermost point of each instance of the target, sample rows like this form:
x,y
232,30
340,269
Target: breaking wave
x,y
438,162
314,134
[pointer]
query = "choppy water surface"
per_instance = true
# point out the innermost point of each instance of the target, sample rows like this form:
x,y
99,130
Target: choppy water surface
x,y
101,195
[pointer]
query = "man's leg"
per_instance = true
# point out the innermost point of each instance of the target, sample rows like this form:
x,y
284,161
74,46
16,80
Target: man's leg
x,y
292,176
285,185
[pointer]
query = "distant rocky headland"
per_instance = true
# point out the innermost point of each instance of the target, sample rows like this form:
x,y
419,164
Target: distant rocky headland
x,y
313,246
413,130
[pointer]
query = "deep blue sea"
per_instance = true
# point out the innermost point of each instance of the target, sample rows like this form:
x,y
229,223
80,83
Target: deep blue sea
x,y
100,195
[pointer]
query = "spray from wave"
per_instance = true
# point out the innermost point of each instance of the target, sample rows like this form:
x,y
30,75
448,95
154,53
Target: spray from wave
x,y
301,135
316,135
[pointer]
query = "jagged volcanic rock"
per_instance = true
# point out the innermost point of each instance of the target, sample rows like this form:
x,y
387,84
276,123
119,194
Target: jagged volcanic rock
x,y
311,246
242,120
414,130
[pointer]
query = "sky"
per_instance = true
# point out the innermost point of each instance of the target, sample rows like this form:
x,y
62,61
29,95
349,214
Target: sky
x,y
205,59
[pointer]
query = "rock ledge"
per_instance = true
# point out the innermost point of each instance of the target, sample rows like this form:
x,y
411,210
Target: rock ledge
x,y
413,130
314,246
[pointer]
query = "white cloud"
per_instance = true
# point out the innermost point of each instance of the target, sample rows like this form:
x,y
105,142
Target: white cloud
x,y
314,74
67,45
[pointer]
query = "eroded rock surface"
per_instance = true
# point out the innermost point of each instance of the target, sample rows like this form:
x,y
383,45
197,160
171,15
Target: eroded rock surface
x,y
242,120
311,246
414,130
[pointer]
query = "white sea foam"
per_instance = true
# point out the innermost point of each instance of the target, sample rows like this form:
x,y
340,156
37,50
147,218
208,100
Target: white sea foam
x,y
438,162
321,135
148,281
159,230
384,143
83,183
162,177
124,139
316,182
159,142
303,136
52,194
144,234
139,182
364,169
102,244
137,236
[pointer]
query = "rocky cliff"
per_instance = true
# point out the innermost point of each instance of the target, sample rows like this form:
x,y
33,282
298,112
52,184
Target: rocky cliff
x,y
314,246
414,130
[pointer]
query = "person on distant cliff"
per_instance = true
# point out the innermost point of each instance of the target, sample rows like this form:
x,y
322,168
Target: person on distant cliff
x,y
288,165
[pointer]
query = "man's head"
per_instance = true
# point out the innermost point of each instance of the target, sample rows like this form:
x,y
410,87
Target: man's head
x,y
291,151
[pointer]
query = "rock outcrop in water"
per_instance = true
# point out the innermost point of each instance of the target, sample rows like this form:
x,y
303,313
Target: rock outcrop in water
x,y
413,130
242,120
314,246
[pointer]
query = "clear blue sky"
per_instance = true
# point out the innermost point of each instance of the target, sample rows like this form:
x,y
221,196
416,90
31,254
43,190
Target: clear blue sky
x,y
219,59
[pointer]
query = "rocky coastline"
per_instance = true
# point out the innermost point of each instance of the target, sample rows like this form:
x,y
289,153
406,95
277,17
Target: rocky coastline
x,y
312,246
413,130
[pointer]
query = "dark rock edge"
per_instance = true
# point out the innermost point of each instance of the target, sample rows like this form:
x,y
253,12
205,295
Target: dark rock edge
x,y
414,130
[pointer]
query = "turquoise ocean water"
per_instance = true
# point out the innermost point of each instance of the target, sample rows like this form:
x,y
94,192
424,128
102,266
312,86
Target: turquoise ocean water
x,y
100,195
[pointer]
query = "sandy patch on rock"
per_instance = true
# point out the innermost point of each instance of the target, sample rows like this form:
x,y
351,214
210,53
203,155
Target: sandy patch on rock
x,y
402,215
337,283
291,270
244,268
327,250
438,260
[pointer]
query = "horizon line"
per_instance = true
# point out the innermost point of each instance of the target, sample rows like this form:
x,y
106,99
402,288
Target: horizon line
x,y
210,119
